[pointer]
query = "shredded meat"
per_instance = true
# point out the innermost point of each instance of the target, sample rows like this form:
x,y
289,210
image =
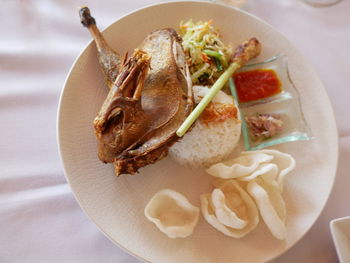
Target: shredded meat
x,y
264,126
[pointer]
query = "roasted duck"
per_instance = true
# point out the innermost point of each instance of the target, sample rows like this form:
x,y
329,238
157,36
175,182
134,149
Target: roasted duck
x,y
150,96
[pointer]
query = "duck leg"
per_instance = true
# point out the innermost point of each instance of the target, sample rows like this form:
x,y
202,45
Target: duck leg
x,y
108,58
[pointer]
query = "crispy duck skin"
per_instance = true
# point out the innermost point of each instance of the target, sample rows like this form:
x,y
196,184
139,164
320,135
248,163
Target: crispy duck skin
x,y
150,97
166,97
121,119
108,58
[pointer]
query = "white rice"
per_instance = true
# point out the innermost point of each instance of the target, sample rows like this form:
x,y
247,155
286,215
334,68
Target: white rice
x,y
205,145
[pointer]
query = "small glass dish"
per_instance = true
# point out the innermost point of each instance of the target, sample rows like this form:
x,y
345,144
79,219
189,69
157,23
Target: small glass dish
x,y
284,108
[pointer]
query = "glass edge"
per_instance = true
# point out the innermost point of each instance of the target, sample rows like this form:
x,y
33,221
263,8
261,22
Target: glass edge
x,y
272,59
290,138
298,100
244,125
285,95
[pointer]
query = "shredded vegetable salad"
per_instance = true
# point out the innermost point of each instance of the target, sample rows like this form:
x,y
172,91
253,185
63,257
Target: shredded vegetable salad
x,y
206,54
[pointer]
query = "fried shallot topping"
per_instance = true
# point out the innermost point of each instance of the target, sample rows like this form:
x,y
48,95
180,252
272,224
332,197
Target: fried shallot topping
x,y
218,112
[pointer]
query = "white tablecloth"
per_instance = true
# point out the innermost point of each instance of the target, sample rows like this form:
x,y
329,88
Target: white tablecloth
x,y
40,221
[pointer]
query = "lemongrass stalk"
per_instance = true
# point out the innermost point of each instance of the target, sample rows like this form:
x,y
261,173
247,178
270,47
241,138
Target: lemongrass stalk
x,y
218,85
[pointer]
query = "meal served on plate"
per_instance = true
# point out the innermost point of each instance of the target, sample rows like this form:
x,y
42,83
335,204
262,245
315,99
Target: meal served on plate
x,y
170,87
150,97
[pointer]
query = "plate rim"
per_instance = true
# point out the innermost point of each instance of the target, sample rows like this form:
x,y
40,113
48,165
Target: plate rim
x,y
64,90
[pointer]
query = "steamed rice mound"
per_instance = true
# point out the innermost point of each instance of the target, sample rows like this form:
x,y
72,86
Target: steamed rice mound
x,y
208,143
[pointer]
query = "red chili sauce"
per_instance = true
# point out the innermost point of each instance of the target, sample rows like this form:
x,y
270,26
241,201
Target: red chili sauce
x,y
256,84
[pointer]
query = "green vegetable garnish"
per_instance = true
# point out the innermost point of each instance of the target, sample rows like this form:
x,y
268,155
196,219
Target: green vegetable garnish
x,y
223,61
201,40
212,53
218,64
218,56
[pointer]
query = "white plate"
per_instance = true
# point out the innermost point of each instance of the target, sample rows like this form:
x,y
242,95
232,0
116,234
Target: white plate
x,y
116,204
340,229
